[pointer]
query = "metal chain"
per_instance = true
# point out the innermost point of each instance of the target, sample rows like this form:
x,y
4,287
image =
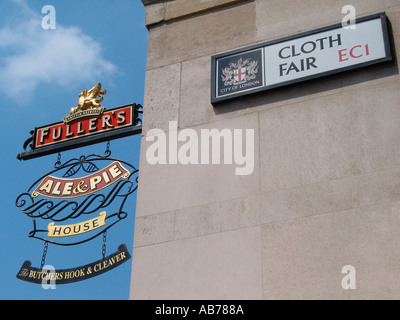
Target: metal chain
x,y
58,162
46,244
104,244
108,151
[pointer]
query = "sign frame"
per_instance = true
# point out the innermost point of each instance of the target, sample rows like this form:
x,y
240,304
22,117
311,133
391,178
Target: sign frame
x,y
261,46
65,276
47,207
76,193
133,128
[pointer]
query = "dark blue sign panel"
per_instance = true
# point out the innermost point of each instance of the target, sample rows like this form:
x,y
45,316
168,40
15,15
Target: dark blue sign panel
x,y
240,72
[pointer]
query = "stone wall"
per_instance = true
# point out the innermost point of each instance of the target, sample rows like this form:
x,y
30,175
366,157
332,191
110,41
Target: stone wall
x,y
325,191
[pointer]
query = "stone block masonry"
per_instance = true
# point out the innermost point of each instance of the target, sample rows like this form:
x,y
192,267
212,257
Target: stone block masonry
x,y
325,189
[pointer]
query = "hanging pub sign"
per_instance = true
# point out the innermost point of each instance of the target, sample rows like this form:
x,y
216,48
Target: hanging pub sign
x,y
81,199
63,276
86,124
298,58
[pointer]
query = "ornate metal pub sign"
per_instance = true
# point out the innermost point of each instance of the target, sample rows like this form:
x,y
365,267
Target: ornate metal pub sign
x,y
81,199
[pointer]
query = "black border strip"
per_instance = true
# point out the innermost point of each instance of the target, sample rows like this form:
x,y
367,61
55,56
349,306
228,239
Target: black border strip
x,y
214,58
96,137
132,123
89,269
81,142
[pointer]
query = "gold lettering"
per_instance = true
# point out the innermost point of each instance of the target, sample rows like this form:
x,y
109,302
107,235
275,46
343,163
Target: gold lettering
x,y
68,188
121,117
23,272
92,124
105,177
69,134
77,228
94,181
44,132
106,121
47,186
58,135
56,189
81,187
80,131
115,172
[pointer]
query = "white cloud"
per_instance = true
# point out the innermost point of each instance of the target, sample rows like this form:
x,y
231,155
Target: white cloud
x,y
30,55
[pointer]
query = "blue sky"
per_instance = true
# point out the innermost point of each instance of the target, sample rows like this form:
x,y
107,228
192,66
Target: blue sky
x,y
41,74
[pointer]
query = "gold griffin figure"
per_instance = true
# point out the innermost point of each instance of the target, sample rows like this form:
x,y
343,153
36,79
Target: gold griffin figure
x,y
89,100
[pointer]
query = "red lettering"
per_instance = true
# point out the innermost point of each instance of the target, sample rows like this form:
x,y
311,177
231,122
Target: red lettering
x,y
341,55
352,50
352,53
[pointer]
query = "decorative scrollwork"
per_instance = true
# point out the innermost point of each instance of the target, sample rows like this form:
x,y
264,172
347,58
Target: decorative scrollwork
x,y
40,207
